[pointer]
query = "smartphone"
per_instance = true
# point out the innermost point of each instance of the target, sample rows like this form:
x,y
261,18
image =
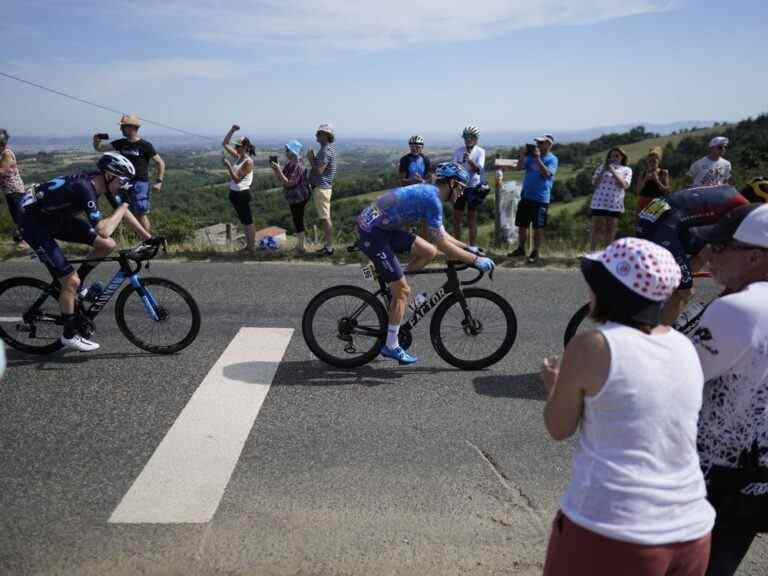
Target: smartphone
x,y
102,136
529,148
273,159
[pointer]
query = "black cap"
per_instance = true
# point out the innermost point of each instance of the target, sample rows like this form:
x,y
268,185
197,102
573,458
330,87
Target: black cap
x,y
723,231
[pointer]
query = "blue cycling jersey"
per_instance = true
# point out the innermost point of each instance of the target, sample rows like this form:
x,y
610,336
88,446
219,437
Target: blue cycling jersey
x,y
65,195
402,206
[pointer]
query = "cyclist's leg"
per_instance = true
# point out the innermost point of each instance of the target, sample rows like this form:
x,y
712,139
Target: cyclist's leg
x,y
422,253
79,231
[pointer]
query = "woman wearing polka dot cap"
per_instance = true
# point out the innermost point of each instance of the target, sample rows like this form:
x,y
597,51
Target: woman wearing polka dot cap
x,y
636,503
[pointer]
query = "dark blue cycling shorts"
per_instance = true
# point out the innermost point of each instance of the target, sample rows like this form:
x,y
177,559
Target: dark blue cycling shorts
x,y
381,246
41,232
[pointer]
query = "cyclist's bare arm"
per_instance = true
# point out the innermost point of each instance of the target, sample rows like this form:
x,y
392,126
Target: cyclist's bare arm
x,y
105,228
134,223
453,249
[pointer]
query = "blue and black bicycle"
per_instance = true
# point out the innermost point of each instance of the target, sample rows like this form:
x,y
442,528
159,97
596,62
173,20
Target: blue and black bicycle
x,y
155,314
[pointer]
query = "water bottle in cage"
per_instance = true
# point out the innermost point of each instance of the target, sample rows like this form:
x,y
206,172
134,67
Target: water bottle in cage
x,y
417,301
689,318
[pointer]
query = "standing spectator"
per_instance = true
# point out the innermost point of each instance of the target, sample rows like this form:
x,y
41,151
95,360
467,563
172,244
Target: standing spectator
x,y
713,169
295,188
140,153
241,178
653,181
732,342
472,157
611,180
636,503
323,171
11,184
415,167
540,167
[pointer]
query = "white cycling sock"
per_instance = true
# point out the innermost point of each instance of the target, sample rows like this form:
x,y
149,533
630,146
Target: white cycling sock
x,y
392,331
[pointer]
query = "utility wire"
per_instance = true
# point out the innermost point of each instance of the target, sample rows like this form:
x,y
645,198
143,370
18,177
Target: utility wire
x,y
95,105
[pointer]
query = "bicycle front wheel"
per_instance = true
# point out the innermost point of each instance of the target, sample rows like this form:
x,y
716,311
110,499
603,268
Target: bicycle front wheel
x,y
579,322
345,326
30,319
160,316
477,336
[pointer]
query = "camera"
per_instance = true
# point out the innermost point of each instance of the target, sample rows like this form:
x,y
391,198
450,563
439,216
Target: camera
x,y
273,159
102,136
529,148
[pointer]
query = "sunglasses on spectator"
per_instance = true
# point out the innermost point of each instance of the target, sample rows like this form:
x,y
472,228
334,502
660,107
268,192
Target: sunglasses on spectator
x,y
721,247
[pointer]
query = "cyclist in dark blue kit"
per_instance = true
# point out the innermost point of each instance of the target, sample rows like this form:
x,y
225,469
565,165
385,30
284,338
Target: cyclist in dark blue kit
x,y
667,221
382,233
49,213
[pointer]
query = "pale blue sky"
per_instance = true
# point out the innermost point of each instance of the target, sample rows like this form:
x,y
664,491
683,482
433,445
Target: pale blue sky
x,y
430,66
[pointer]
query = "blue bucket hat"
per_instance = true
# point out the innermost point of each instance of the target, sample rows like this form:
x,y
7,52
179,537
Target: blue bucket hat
x,y
294,147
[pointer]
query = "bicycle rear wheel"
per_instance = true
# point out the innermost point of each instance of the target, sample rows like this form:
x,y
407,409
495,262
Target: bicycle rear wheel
x,y
479,338
579,322
30,319
160,316
345,326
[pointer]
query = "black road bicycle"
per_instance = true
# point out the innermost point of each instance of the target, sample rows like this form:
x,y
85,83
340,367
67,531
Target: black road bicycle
x,y
155,314
472,328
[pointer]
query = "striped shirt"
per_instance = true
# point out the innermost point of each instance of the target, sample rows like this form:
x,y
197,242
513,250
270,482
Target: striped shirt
x,y
326,155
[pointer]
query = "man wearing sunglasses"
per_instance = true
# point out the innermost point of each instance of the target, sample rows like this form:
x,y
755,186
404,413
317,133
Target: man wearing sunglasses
x,y
732,342
712,169
49,213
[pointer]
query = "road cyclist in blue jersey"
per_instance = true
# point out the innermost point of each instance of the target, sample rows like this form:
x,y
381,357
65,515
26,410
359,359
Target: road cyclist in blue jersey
x,y
49,213
382,233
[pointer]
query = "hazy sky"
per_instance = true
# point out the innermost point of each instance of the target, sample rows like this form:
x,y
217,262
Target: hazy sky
x,y
382,68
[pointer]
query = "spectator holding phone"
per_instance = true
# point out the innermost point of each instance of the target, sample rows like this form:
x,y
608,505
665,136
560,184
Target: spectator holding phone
x,y
295,187
712,169
472,158
653,181
611,180
632,388
540,166
241,178
140,153
322,175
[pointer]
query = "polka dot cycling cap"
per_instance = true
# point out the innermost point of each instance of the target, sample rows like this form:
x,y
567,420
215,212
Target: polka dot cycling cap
x,y
645,268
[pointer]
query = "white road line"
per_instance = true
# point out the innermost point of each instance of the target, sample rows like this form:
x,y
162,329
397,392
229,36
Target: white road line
x,y
10,319
185,478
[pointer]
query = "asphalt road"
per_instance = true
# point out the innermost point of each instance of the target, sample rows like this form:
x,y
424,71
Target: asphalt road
x,y
382,470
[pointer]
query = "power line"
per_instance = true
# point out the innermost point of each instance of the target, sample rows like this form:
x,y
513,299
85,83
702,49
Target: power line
x,y
95,105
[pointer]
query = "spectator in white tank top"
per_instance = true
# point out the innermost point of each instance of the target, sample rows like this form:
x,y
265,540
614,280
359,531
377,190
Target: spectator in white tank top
x,y
241,178
636,503
732,342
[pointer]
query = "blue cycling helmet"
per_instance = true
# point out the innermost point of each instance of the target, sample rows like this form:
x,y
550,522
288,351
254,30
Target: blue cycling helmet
x,y
452,170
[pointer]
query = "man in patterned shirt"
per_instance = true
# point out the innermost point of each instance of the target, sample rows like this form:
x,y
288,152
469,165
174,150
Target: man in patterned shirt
x,y
713,169
322,175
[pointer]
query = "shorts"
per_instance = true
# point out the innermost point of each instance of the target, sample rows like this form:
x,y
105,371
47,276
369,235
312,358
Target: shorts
x,y
530,212
605,213
323,202
472,198
41,231
667,231
576,550
381,246
138,197
241,202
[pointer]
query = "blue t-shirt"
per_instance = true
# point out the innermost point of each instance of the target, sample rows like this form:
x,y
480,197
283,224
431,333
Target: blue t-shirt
x,y
535,186
67,195
400,207
412,165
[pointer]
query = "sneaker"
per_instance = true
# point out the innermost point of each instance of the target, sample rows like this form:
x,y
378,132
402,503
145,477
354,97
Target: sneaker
x,y
77,342
398,354
519,253
534,257
325,252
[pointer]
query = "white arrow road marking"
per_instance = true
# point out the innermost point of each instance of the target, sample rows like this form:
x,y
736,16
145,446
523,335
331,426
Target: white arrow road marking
x,y
185,478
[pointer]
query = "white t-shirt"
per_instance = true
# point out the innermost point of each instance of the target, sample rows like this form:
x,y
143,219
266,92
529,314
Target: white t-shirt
x,y
477,155
732,342
608,194
706,172
636,474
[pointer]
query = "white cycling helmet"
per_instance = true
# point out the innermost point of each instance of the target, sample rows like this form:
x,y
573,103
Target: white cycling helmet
x,y
417,140
117,164
470,132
